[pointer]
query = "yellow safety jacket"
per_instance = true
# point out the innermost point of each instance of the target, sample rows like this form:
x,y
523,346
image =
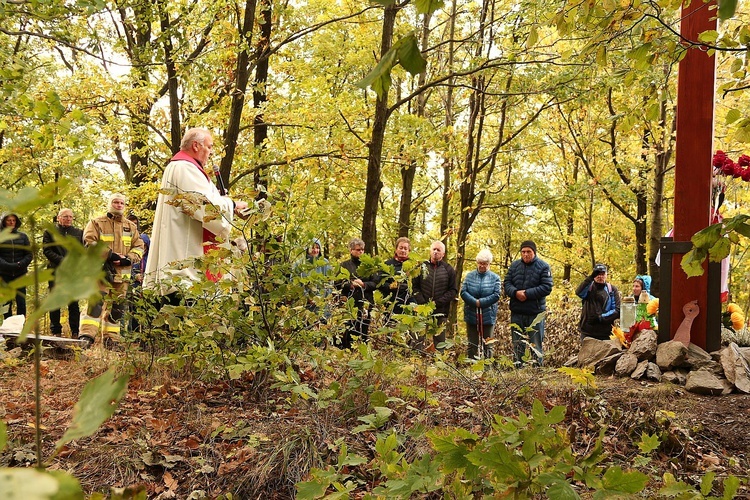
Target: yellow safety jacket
x,y
121,236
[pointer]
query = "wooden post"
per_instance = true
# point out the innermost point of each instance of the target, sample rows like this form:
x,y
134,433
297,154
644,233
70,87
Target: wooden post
x,y
694,151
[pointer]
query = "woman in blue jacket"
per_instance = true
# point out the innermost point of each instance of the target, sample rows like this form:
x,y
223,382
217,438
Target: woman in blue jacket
x,y
480,291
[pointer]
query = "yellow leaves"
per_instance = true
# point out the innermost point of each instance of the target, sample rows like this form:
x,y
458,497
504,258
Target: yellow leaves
x,y
652,307
619,335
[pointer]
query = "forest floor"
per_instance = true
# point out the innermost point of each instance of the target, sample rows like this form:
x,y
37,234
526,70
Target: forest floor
x,y
175,437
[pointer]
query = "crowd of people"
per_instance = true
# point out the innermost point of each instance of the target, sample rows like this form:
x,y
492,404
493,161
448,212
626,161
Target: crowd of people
x,y
187,226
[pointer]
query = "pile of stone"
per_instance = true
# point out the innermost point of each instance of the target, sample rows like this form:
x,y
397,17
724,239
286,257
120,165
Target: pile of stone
x,y
720,372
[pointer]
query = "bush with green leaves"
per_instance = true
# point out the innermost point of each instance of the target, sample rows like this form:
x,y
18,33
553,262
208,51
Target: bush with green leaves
x,y
76,278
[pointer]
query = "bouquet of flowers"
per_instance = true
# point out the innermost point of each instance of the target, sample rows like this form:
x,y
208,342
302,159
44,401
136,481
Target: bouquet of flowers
x,y
645,319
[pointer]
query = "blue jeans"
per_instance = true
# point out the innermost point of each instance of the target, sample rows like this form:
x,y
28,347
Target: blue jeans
x,y
523,336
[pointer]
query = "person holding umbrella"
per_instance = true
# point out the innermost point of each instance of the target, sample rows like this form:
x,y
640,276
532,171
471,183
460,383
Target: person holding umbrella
x,y
480,292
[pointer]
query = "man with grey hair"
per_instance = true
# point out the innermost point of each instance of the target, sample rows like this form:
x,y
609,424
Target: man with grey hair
x,y
185,229
360,289
55,253
437,283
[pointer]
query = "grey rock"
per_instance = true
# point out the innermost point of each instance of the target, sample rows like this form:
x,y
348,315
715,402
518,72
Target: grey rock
x,y
671,354
607,365
653,372
727,363
640,370
644,345
593,350
737,366
697,358
706,382
572,361
676,377
626,364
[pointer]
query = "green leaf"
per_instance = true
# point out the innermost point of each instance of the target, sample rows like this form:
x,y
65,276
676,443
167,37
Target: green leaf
x,y
732,116
76,278
385,3
378,398
533,37
27,484
673,488
379,79
97,403
310,490
649,443
707,482
405,52
29,199
727,9
562,490
692,262
720,250
70,488
731,485
627,482
409,55
705,238
428,6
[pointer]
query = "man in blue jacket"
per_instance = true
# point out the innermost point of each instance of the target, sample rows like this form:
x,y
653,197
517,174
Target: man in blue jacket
x,y
528,282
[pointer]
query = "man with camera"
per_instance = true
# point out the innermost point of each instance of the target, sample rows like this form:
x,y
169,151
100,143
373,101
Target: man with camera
x,y
601,304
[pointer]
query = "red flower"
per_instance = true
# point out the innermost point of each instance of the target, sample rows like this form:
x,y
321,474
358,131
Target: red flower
x,y
719,158
744,161
746,175
728,167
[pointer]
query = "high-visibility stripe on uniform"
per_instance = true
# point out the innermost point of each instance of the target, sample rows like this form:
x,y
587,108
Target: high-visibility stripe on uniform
x,y
111,327
107,237
90,320
138,252
127,240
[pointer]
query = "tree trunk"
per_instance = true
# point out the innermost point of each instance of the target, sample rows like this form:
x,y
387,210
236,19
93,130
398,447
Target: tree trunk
x,y
259,94
232,132
409,171
374,182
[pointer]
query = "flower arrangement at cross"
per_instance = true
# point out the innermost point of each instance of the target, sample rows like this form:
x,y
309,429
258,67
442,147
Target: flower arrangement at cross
x,y
645,319
733,318
728,167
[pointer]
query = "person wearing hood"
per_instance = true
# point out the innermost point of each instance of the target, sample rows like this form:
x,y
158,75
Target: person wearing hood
x,y
642,283
600,305
15,257
55,254
527,283
318,268
123,248
397,291
360,289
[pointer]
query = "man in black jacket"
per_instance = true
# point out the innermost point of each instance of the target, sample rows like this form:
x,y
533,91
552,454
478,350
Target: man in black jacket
x,y
55,254
360,288
528,282
600,304
15,257
436,282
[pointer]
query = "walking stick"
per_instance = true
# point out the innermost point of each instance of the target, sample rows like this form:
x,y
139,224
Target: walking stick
x,y
480,332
